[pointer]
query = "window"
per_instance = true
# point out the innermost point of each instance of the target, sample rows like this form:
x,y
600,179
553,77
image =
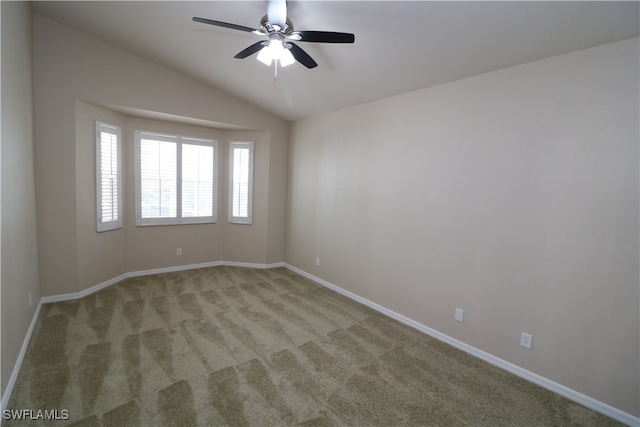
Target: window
x,y
108,177
241,182
175,179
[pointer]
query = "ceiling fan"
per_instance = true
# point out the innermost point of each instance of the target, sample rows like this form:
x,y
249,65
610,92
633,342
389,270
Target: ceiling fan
x,y
280,44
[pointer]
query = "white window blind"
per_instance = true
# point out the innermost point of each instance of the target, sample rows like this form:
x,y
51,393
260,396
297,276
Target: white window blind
x,y
241,182
197,180
108,177
158,177
175,179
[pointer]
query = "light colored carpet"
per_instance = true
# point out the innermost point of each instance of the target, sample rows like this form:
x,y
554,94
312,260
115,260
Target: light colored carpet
x,y
238,346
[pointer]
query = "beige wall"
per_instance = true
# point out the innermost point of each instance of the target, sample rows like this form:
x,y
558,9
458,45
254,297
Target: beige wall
x,y
512,195
243,243
155,246
101,256
73,74
19,258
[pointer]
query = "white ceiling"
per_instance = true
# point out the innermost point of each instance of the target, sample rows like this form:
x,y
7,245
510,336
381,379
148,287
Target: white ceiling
x,y
399,47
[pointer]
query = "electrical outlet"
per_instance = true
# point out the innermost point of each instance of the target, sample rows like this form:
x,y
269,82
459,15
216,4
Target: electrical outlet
x,y
179,251
30,300
525,340
318,262
459,316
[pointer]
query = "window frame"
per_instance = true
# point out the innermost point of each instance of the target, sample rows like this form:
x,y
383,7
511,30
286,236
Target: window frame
x,y
233,219
179,140
103,127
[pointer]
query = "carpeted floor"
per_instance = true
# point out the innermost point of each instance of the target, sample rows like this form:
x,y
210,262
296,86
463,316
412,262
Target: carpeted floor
x,y
239,346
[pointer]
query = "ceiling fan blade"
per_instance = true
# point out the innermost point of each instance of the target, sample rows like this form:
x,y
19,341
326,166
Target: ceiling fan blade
x,y
223,24
250,50
301,56
325,37
277,12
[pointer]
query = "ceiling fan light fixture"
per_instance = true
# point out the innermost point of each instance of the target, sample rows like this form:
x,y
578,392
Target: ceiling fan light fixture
x,y
286,58
276,50
265,56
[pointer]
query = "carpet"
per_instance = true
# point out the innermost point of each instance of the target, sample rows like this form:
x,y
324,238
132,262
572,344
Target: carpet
x,y
250,347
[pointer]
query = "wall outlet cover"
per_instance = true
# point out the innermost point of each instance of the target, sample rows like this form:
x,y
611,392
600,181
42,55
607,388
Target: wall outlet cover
x,y
525,340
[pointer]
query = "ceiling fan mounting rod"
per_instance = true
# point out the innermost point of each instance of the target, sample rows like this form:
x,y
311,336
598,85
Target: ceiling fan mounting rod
x,y
269,27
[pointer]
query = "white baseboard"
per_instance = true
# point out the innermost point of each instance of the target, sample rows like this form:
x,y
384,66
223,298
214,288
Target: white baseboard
x,y
99,286
564,391
84,293
16,369
251,265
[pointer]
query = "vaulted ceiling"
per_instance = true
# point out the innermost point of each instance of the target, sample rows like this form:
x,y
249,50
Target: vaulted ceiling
x,y
399,46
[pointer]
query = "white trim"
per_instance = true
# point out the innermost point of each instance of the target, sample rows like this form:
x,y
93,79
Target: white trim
x,y
16,369
232,146
102,127
201,265
564,391
251,265
84,293
173,269
179,141
100,286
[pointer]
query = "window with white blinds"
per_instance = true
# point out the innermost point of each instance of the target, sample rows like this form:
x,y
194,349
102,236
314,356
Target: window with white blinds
x,y
175,179
241,182
197,180
108,177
